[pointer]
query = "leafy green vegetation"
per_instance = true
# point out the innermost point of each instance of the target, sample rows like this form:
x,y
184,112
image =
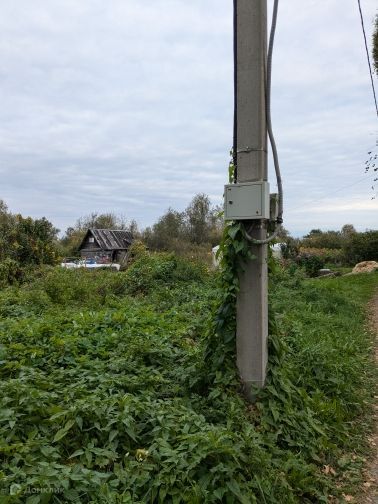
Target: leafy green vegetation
x,y
106,395
337,248
311,263
190,233
24,242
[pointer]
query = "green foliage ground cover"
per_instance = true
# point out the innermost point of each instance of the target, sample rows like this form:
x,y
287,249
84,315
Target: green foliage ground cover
x,y
105,395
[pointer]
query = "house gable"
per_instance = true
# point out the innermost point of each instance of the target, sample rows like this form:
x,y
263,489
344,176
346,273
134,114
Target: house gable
x,y
110,243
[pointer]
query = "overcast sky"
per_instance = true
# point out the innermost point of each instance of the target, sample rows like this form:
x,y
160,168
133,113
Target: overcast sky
x,y
126,106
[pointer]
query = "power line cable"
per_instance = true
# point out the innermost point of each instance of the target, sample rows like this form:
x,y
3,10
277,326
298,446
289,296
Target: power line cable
x,y
368,55
317,200
268,119
235,136
268,93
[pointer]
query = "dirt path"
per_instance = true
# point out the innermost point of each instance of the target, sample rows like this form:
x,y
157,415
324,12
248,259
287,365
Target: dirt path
x,y
370,495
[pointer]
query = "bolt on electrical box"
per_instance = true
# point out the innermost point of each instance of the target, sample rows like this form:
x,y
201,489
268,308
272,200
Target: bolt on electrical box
x,y
246,201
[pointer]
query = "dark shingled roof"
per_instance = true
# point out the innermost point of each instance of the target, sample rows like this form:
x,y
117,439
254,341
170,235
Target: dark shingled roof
x,y
111,239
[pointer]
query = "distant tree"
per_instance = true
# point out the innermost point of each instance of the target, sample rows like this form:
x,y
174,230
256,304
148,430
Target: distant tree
x,y
313,232
323,239
348,230
169,227
6,226
362,247
34,241
25,240
133,228
375,44
198,219
71,241
200,224
107,220
347,246
216,225
3,207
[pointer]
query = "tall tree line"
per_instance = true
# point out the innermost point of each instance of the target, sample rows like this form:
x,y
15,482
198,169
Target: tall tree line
x,y
200,224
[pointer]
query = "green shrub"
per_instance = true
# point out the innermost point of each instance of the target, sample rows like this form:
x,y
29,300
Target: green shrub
x,y
328,255
162,269
311,263
10,272
80,286
362,247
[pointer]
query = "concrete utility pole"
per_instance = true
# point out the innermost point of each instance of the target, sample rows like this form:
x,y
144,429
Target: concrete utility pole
x,y
251,158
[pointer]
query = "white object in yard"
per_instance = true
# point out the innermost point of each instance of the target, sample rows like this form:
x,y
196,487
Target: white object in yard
x,y
216,260
277,251
85,263
99,265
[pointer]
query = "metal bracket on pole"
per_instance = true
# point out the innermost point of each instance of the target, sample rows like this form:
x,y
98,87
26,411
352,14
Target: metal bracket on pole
x,y
247,150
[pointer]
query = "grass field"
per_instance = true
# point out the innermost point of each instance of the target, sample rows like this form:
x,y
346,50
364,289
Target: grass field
x,y
105,395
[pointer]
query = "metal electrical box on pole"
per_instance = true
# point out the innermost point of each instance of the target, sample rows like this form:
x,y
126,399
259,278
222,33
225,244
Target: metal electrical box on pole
x,y
251,162
247,201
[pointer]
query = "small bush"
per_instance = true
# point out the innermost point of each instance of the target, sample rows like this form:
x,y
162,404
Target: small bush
x,y
80,286
328,255
311,263
10,272
136,251
153,271
362,247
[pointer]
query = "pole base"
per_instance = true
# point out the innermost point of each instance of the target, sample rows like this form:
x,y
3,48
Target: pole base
x,y
251,388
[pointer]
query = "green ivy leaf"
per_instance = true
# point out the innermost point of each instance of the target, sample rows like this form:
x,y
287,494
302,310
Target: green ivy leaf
x,y
233,231
60,435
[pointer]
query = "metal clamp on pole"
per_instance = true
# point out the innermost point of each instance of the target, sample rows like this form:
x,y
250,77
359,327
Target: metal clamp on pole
x,y
247,150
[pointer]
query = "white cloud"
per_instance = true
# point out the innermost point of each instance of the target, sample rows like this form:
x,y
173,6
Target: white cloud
x,y
126,105
335,206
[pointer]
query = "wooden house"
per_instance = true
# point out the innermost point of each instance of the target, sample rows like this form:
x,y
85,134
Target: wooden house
x,y
106,245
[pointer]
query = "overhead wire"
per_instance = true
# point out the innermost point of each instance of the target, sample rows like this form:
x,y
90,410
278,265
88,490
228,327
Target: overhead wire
x,y
368,55
269,125
279,219
268,114
268,111
323,198
235,136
